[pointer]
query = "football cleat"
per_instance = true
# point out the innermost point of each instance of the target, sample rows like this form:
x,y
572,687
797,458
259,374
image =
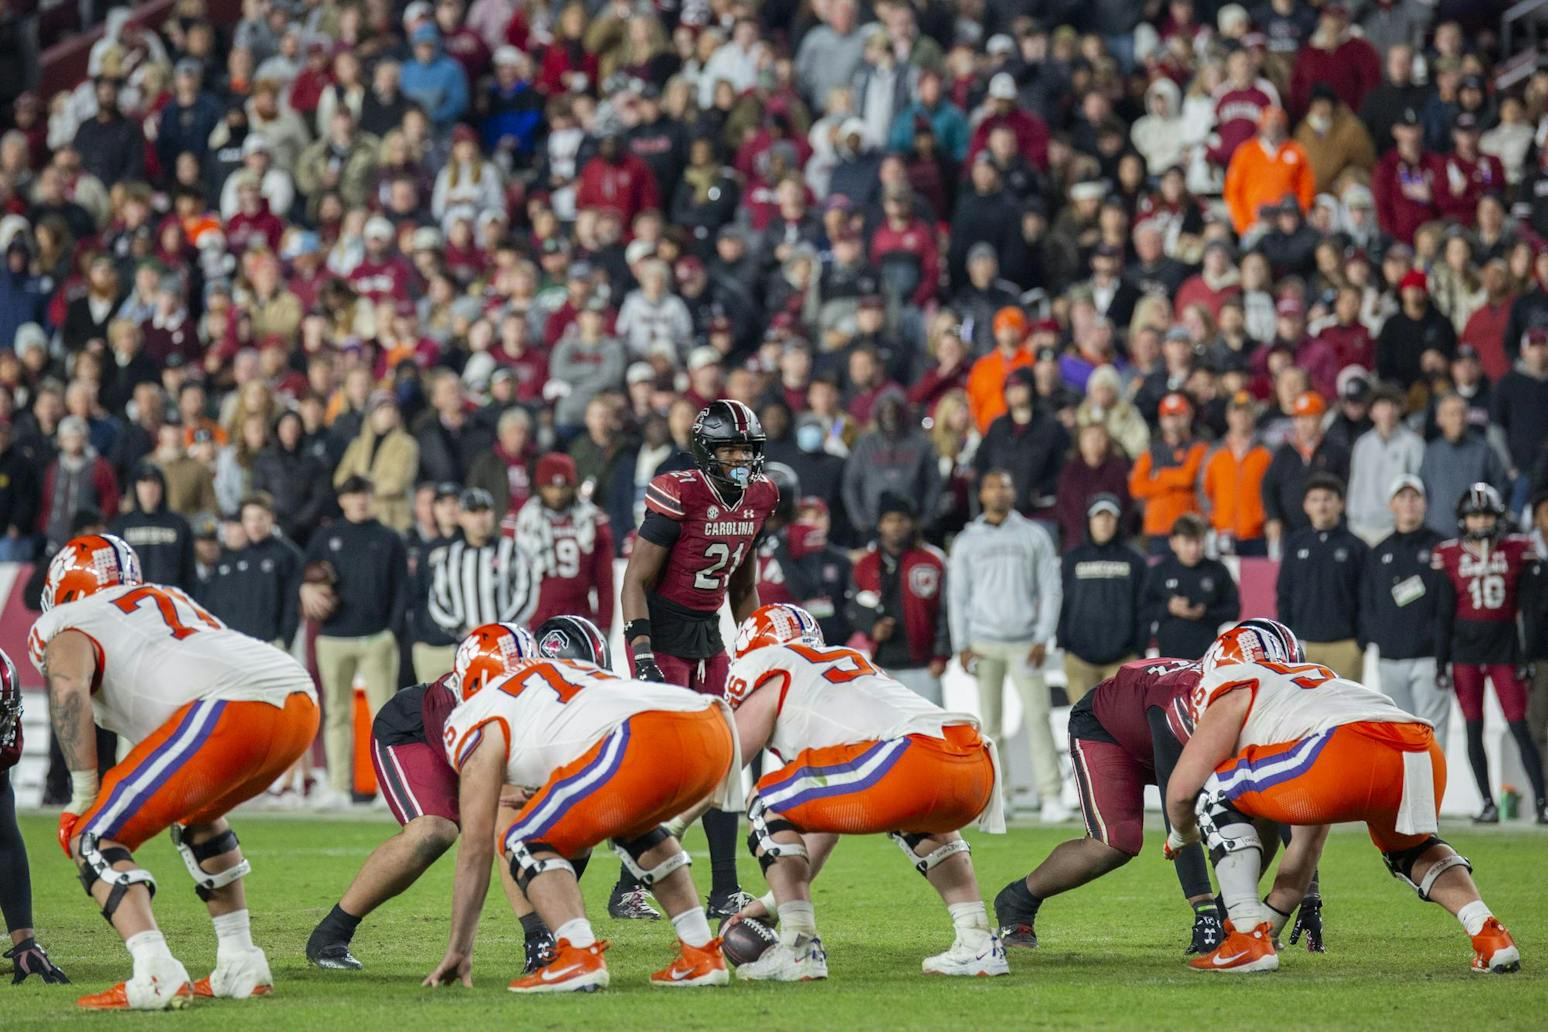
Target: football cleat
x,y
1053,811
330,954
1308,922
693,966
1541,811
962,959
164,985
573,969
1490,814
724,904
1016,926
537,952
1241,952
806,961
1207,933
1494,951
240,976
632,905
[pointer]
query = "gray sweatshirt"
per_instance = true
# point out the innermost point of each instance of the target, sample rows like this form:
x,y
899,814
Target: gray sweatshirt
x,y
1004,583
588,370
1373,465
1449,469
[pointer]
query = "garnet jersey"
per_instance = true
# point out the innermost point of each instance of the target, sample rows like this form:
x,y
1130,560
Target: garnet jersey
x,y
1122,703
571,554
1480,598
829,695
550,712
157,651
1292,701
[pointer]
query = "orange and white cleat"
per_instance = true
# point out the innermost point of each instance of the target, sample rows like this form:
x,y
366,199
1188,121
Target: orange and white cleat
x,y
203,990
1241,953
123,997
237,976
694,966
573,969
1494,951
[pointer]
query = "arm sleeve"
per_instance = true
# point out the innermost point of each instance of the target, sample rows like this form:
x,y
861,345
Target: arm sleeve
x,y
659,530
957,596
1192,874
1445,614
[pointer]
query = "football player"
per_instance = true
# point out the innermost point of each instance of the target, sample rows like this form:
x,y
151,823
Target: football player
x,y
1483,572
569,543
420,788
217,715
1278,741
862,754
613,759
26,956
693,552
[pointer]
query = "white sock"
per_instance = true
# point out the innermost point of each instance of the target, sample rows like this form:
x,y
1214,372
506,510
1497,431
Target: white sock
x,y
1276,919
233,933
796,918
770,907
1238,872
577,932
1474,915
145,947
971,921
692,926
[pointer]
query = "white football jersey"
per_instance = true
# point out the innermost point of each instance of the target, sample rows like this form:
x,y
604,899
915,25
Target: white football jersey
x,y
551,712
1295,701
157,650
831,695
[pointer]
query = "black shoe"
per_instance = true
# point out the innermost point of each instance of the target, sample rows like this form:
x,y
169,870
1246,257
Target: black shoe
x,y
1490,814
1208,933
1017,929
1308,920
1542,811
538,952
724,904
631,905
331,955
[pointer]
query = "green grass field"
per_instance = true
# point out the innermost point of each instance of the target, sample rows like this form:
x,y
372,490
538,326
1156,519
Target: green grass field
x,y
1111,954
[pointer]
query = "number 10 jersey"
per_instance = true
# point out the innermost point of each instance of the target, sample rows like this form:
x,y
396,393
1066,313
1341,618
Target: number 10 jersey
x,y
1481,598
157,651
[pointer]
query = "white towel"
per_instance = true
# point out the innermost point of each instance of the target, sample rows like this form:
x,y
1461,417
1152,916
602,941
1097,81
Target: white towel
x,y
992,819
1416,810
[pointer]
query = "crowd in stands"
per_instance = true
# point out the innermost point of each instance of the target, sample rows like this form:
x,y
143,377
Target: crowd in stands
x,y
1181,257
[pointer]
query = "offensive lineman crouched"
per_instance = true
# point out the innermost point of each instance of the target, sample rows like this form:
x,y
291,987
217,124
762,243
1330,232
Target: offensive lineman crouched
x,y
217,715
615,759
1291,743
862,754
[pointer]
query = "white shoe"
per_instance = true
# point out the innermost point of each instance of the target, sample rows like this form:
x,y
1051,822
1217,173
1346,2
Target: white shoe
x,y
962,959
804,962
237,976
160,984
328,800
1054,812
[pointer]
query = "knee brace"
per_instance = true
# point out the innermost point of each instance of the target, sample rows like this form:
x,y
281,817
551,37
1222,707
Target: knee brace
x,y
97,865
631,851
525,866
1225,828
760,839
194,856
925,864
1401,864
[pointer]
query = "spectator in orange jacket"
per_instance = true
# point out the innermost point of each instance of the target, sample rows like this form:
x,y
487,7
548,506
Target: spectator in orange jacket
x,y
1232,486
1266,169
1165,478
986,383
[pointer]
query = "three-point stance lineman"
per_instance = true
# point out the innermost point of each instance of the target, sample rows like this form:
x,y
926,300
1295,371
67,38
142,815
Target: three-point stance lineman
x,y
217,715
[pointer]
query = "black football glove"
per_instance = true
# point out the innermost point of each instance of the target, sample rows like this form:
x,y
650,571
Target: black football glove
x,y
30,959
1308,919
645,668
1208,933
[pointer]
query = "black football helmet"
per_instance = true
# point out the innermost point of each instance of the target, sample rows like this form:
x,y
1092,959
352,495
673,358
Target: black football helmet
x,y
10,702
725,422
1481,499
789,489
573,637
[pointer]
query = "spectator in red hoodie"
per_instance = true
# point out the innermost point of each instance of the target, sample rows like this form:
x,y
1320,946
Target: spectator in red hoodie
x,y
1408,181
382,273
616,179
1003,108
253,222
1469,173
904,248
1334,57
1485,329
1348,338
1095,467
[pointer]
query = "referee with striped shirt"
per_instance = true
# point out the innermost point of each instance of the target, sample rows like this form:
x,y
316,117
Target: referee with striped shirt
x,y
484,578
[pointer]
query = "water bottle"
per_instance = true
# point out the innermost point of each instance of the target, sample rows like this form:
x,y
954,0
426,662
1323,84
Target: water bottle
x,y
1510,803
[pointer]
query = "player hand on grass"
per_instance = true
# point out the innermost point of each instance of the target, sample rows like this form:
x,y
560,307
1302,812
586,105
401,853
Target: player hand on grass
x,y
28,958
454,967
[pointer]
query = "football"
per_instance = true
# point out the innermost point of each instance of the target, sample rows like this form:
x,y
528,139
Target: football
x,y
746,940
